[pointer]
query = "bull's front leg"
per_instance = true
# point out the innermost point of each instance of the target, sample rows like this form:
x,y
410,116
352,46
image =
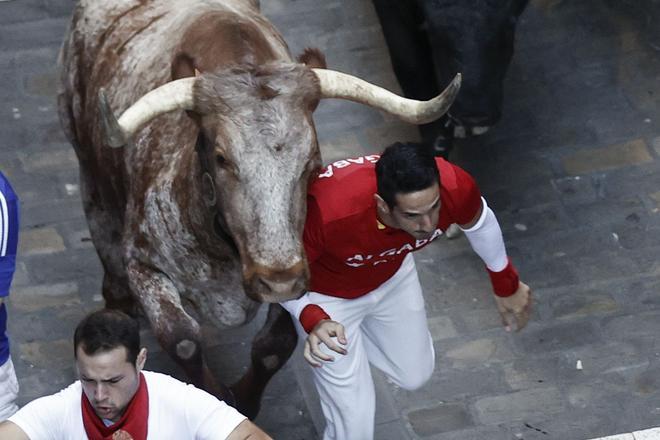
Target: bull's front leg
x,y
178,333
271,348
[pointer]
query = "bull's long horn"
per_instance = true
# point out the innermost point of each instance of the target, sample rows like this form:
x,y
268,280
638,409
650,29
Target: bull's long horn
x,y
340,85
174,95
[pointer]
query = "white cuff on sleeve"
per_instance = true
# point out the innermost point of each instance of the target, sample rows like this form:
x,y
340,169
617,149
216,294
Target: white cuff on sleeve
x,y
486,239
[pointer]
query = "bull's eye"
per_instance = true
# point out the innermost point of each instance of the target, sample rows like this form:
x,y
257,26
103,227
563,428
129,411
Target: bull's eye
x,y
220,160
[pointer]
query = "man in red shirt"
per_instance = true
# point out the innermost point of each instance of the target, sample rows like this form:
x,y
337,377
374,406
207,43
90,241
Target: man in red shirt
x,y
365,218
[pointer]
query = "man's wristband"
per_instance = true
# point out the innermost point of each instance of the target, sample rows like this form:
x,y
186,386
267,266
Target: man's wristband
x,y
505,282
312,315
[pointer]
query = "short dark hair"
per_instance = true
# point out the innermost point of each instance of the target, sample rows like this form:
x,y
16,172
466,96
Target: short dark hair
x,y
405,168
105,330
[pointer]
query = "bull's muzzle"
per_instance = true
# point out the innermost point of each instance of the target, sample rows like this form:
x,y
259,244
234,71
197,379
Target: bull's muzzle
x,y
268,285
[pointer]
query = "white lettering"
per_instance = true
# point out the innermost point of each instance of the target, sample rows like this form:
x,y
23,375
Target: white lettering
x,y
387,253
435,235
357,260
328,172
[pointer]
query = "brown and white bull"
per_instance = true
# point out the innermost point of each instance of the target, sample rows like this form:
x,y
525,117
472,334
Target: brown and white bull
x,y
199,216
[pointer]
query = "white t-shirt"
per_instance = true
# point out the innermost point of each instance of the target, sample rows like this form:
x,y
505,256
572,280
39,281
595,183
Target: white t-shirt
x,y
176,411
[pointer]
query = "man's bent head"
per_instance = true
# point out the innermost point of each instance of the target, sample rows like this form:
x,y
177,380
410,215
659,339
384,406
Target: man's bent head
x,y
408,195
106,329
109,361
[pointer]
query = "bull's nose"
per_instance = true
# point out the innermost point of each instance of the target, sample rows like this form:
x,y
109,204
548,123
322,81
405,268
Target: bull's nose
x,y
461,131
472,124
280,287
272,285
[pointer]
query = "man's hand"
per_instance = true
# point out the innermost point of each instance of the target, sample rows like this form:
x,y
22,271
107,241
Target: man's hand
x,y
323,332
515,308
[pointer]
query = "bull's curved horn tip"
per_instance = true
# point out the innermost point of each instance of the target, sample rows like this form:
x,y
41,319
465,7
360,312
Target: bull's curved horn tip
x,y
457,80
114,135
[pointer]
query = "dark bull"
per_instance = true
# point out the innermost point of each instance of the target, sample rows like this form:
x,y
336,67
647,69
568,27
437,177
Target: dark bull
x,y
431,40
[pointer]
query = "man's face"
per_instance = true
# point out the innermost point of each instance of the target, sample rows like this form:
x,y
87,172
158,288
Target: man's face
x,y
417,212
109,381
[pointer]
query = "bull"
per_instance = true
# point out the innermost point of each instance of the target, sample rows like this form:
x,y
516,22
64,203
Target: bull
x,y
430,40
197,212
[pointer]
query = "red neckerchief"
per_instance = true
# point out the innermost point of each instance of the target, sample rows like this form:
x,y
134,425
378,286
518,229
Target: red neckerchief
x,y
131,426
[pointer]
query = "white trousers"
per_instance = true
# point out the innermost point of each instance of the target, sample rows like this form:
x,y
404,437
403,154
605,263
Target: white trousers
x,y
8,390
387,328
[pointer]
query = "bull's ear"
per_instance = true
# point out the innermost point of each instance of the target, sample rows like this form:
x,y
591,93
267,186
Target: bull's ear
x,y
183,66
313,58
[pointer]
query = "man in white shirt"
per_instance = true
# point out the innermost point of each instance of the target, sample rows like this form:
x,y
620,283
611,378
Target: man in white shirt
x,y
115,399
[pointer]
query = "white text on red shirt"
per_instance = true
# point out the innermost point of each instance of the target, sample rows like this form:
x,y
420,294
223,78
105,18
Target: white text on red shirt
x,y
359,260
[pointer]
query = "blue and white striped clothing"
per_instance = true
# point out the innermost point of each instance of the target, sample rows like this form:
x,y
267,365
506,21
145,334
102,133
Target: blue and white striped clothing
x,y
8,245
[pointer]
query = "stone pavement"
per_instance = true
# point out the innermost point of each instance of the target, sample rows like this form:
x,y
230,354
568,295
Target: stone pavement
x,y
572,171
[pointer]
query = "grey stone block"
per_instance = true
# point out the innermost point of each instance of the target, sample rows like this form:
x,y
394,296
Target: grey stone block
x,y
627,326
454,385
558,337
32,34
520,405
441,327
439,418
40,241
482,351
391,431
531,372
579,303
13,11
477,433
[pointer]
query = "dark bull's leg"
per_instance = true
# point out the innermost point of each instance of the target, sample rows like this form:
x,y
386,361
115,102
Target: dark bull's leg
x,y
178,333
439,136
402,22
117,295
271,348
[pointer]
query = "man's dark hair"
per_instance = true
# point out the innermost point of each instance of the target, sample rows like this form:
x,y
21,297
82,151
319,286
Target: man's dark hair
x,y
405,168
105,330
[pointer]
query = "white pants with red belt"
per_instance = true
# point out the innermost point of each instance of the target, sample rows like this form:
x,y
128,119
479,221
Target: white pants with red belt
x,y
387,328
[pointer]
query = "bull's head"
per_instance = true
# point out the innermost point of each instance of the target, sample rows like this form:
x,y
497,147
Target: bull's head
x,y
257,147
474,37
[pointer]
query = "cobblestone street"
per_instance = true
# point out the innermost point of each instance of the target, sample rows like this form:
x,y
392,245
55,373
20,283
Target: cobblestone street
x,y
572,171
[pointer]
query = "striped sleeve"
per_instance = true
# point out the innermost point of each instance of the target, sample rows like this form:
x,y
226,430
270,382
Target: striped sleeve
x,y
8,235
4,224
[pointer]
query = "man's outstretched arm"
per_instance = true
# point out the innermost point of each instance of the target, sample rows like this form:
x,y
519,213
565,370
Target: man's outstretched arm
x,y
513,297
